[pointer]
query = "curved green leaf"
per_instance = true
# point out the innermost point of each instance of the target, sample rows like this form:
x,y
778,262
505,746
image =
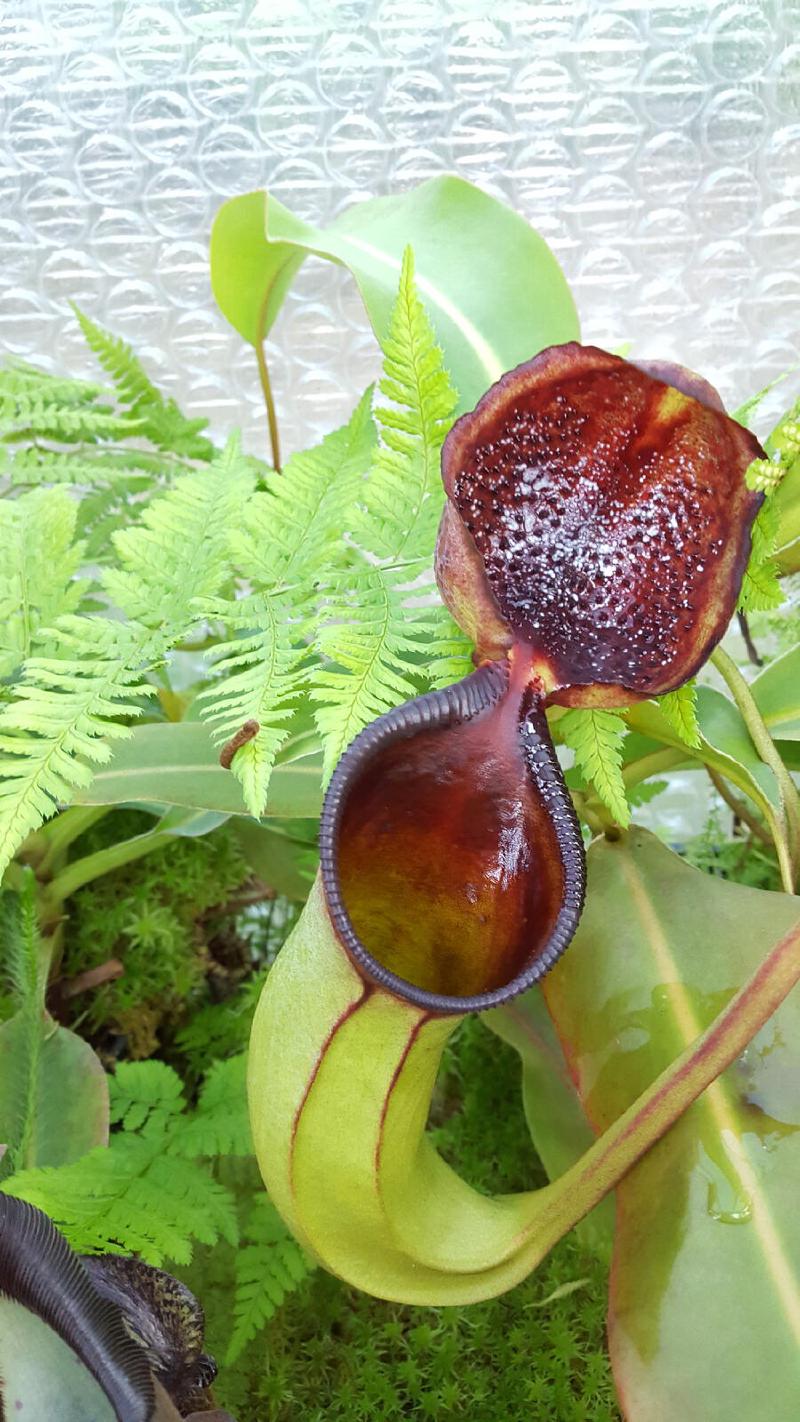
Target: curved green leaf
x,y
777,692
55,1101
41,1376
176,763
491,286
705,1305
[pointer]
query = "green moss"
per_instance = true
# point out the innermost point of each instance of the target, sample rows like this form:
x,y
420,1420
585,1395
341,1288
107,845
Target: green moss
x,y
155,915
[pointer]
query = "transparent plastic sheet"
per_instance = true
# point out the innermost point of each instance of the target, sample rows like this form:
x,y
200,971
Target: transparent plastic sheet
x,y
656,146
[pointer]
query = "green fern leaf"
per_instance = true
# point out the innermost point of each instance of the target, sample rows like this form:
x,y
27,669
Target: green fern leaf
x,y
34,415
161,420
449,653
82,467
38,563
404,496
369,635
761,589
62,717
680,709
178,552
258,676
221,1124
19,379
596,738
375,629
269,1265
135,1195
295,526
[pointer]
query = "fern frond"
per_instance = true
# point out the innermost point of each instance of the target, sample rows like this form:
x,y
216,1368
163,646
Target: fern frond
x,y
161,420
257,677
596,738
24,968
404,496
63,713
134,1195
179,550
145,1097
82,467
221,1123
374,626
38,563
34,414
761,589
448,655
269,1265
19,379
293,528
680,709
369,635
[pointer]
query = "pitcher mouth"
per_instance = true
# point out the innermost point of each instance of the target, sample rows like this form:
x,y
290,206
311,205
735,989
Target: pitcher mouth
x,y
514,901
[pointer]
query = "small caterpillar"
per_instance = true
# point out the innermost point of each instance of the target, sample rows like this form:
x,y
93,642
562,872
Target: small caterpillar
x,y
246,733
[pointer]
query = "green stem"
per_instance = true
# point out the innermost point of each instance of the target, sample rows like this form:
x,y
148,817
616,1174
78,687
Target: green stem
x,y
582,1187
61,832
656,763
768,751
272,419
93,866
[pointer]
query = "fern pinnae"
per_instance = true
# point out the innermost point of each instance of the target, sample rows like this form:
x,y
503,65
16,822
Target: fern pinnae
x,y
680,709
269,1265
62,717
257,677
292,527
160,418
368,635
596,737
38,562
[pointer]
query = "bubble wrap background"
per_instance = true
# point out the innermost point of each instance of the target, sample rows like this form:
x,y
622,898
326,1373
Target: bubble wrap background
x,y
655,146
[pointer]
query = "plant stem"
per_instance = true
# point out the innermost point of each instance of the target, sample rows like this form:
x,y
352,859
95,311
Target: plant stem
x,y
272,419
768,751
740,809
93,866
656,763
747,638
60,833
580,1188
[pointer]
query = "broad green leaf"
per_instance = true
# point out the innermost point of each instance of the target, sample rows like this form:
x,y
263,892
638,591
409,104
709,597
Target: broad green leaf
x,y
705,1302
491,286
725,744
281,860
176,763
556,1120
777,692
55,1098
41,1376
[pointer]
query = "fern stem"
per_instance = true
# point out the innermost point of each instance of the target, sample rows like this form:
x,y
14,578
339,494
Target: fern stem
x,y
272,419
768,751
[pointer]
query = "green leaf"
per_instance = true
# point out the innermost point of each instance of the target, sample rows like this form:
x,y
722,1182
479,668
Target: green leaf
x,y
777,693
161,420
176,763
269,1265
283,860
38,563
760,587
295,526
596,738
41,1375
136,1195
493,290
680,709
708,1217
